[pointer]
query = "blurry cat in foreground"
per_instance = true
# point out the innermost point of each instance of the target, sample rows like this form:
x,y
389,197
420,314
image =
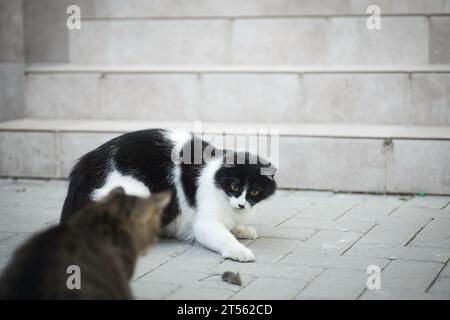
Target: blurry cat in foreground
x,y
104,240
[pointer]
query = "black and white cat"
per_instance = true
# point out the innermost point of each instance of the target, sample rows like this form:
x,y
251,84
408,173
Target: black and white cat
x,y
213,197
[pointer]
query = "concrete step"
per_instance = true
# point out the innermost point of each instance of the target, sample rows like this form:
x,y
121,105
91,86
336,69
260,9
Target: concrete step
x,y
386,159
318,40
233,8
238,32
386,95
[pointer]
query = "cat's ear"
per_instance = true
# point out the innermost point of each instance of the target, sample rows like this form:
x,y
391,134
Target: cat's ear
x,y
116,191
109,198
269,171
161,199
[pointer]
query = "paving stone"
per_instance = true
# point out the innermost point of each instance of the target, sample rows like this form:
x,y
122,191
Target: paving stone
x,y
322,259
28,219
336,284
162,252
149,263
331,241
18,201
431,242
411,213
278,209
446,271
197,251
436,234
272,250
6,181
189,278
339,225
9,245
393,201
438,227
323,211
432,202
400,294
246,242
35,193
171,247
21,200
192,293
346,200
307,251
143,290
399,252
215,281
397,220
285,233
180,278
312,196
416,275
270,289
5,235
368,211
393,233
287,271
441,286
197,259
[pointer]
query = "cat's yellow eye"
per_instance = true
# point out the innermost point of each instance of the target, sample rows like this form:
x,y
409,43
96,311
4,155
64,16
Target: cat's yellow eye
x,y
234,188
254,193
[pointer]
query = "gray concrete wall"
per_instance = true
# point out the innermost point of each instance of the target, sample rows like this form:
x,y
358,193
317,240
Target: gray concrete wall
x,y
123,32
402,98
31,31
11,59
46,34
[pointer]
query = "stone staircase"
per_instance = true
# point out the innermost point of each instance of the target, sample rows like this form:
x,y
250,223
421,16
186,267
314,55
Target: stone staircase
x,y
356,109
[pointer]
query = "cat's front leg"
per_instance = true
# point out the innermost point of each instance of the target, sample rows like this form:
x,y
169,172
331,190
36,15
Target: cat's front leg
x,y
215,236
245,232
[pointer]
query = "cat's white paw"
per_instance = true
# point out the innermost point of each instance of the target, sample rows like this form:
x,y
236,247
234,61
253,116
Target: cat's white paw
x,y
240,253
245,232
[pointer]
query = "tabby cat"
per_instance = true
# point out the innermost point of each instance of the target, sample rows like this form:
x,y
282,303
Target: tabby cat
x,y
103,241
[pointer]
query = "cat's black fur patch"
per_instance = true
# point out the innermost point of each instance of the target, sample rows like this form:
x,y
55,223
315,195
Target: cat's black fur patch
x,y
191,167
144,155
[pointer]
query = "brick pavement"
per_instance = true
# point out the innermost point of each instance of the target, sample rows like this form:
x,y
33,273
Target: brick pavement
x,y
312,245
